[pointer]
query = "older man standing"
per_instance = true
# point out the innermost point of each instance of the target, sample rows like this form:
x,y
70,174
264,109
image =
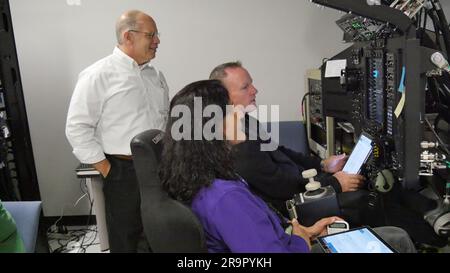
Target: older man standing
x,y
114,99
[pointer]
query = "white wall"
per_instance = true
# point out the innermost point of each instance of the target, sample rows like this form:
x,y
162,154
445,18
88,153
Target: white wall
x,y
446,7
276,40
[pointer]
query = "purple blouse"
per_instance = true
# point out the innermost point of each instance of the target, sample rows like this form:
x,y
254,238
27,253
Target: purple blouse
x,y
236,220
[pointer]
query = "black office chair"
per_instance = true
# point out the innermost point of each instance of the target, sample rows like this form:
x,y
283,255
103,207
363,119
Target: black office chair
x,y
169,225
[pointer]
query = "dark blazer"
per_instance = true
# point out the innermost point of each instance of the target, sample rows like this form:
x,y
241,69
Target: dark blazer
x,y
276,175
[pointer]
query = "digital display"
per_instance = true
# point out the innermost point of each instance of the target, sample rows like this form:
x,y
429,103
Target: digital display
x,y
359,155
354,241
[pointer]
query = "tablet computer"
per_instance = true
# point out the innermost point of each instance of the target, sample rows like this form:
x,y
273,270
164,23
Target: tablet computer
x,y
358,240
359,155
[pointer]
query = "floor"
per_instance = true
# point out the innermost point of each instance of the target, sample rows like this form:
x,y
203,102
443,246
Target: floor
x,y
82,239
74,239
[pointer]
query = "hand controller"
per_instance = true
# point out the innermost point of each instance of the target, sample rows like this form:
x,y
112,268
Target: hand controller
x,y
337,226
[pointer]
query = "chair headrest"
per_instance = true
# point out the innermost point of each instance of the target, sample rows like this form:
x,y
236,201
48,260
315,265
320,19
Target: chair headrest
x,y
169,226
148,142
146,148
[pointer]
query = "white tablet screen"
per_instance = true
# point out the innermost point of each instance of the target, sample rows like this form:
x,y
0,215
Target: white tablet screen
x,y
355,241
359,155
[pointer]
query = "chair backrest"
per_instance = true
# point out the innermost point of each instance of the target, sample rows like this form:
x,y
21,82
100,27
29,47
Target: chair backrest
x,y
169,225
292,135
26,214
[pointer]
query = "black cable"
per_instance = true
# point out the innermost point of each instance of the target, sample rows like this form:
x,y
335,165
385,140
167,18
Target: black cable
x,y
433,87
77,234
443,92
93,240
443,145
89,218
443,24
303,101
444,86
419,20
82,247
382,174
437,31
62,243
383,209
425,19
95,237
81,186
419,24
74,236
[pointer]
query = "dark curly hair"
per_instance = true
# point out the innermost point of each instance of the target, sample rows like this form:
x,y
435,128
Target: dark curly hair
x,y
189,165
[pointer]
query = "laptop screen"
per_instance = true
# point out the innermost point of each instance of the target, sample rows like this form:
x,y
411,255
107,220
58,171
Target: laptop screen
x,y
360,240
359,155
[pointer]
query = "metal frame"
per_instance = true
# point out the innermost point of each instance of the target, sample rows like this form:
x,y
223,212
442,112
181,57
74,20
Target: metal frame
x,y
323,152
415,59
15,109
376,12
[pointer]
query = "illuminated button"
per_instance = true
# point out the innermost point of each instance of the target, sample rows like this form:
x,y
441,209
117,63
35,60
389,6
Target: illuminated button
x,y
375,73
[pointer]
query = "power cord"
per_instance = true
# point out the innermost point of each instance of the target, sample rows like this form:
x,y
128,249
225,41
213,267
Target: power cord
x,y
83,247
302,105
69,240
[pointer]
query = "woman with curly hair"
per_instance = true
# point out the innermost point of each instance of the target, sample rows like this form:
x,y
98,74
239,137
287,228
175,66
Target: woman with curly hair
x,y
198,171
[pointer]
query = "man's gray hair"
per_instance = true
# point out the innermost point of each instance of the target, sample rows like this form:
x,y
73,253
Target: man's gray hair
x,y
219,72
126,22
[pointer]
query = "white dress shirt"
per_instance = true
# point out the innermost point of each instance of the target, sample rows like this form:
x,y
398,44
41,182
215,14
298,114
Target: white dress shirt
x,y
114,100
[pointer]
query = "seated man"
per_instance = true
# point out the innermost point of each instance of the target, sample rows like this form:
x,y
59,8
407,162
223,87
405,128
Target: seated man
x,y
200,173
10,241
276,175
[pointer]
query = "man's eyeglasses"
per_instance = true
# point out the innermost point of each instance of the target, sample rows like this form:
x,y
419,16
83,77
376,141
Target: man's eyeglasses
x,y
149,35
